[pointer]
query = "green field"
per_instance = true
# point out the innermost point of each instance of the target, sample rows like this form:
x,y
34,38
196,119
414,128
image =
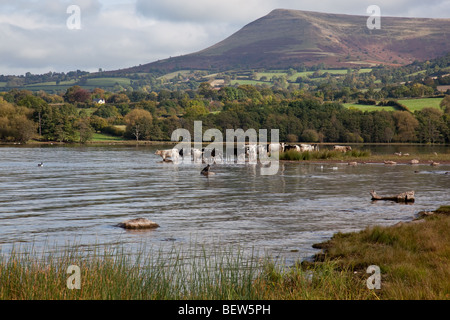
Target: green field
x,y
305,74
100,137
419,104
90,84
108,82
244,82
412,104
363,108
172,75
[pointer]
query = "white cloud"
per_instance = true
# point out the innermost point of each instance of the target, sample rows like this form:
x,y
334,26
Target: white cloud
x,y
122,33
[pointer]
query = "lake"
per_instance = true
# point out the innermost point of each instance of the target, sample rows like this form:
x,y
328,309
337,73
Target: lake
x,y
81,193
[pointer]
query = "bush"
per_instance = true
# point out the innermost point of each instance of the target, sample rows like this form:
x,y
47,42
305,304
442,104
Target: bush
x,y
369,102
113,130
310,135
393,103
291,138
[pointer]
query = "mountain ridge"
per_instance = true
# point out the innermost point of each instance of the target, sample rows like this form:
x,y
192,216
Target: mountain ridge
x,y
291,38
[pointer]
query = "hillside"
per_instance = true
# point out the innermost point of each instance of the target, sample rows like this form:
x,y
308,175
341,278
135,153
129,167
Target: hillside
x,y
289,38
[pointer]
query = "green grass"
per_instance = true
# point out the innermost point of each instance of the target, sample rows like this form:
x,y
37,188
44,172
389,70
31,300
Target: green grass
x,y
108,82
100,137
114,273
52,84
367,108
412,104
172,75
244,82
419,104
305,74
414,258
293,155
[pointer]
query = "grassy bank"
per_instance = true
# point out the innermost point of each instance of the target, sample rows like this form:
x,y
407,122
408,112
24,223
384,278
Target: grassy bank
x,y
293,155
114,275
363,156
414,259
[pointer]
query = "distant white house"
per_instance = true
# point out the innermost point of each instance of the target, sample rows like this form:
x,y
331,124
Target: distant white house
x,y
99,101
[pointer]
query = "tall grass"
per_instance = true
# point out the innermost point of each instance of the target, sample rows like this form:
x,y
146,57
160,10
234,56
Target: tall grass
x,y
414,261
113,273
414,258
293,155
200,274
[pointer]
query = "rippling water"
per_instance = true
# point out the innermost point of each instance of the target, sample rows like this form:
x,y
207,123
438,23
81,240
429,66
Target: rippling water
x,y
82,192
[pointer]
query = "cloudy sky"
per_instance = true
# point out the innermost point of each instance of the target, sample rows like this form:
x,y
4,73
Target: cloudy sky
x,y
39,36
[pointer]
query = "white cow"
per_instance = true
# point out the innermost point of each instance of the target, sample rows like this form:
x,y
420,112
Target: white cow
x,y
252,153
306,147
274,147
173,154
197,155
342,148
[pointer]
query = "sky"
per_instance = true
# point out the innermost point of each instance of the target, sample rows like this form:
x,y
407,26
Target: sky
x,y
40,36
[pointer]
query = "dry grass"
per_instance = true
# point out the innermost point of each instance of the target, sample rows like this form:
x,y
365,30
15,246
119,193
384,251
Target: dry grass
x,y
414,258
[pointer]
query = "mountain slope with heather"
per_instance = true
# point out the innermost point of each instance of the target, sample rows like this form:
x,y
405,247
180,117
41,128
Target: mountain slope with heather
x,y
290,38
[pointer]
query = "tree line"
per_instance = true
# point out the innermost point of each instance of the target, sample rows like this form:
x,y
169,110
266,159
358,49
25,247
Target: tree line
x,y
300,116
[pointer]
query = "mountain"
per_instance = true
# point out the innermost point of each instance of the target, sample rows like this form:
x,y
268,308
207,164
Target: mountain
x,y
290,38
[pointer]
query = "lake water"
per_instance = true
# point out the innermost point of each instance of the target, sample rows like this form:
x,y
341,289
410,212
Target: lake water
x,y
81,193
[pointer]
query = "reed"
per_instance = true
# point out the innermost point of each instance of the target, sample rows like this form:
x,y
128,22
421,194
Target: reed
x,y
414,261
293,155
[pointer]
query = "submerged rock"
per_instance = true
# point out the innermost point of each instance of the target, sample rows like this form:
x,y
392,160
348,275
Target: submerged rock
x,y
402,197
139,223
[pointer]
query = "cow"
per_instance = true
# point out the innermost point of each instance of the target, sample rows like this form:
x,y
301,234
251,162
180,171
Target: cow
x,y
168,153
252,153
262,151
294,147
307,147
342,148
212,155
197,155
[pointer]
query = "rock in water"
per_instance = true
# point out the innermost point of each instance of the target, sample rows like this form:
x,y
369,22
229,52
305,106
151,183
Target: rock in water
x,y
139,223
402,197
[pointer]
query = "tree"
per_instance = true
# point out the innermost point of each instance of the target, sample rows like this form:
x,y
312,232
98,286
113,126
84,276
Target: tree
x,y
77,94
108,112
98,123
431,125
207,91
406,126
119,98
139,123
195,111
24,129
85,130
310,135
445,104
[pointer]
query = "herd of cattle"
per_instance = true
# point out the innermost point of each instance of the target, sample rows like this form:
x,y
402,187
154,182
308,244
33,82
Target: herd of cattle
x,y
248,153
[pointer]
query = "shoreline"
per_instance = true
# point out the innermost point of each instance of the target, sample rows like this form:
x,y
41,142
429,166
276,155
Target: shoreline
x,y
363,162
424,159
412,256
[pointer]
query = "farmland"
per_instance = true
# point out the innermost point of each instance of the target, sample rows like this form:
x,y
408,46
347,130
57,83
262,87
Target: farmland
x,y
412,104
